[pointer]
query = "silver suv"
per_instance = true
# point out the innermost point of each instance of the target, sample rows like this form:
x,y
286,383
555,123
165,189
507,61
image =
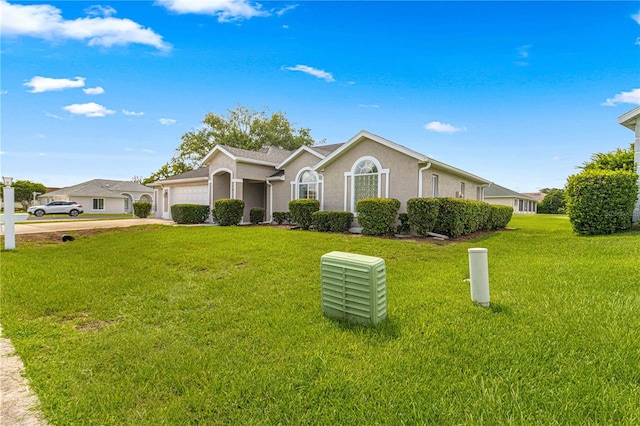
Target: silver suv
x,y
57,207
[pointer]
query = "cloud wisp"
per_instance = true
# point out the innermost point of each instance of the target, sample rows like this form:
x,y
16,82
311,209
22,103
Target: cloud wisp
x,y
93,90
522,55
632,97
40,84
437,126
99,28
318,73
167,121
90,109
132,113
224,10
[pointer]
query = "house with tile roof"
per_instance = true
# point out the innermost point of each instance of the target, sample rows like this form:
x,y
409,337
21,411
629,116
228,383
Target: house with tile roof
x,y
337,175
521,203
102,195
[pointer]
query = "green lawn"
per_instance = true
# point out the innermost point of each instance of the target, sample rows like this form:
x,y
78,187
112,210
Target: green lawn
x,y
213,325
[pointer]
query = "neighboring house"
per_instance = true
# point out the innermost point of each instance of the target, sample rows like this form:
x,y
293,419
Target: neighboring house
x,y
336,175
631,120
521,203
538,196
102,195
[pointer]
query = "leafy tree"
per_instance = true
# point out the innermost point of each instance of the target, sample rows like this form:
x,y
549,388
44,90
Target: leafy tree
x,y
240,128
24,189
620,159
554,202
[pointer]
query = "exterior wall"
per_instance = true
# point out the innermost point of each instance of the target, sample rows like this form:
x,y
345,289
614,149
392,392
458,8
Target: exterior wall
x,y
636,210
111,205
176,193
519,205
254,171
254,196
281,196
221,161
449,185
304,160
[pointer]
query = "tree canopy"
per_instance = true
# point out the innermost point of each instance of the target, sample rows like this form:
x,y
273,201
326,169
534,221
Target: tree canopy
x,y
554,202
240,128
620,159
23,191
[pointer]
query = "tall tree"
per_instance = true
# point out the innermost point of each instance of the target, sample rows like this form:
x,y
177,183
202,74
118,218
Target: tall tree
x,y
240,128
620,159
23,191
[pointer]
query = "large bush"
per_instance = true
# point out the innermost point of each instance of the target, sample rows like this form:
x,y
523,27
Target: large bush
x,y
320,221
601,201
189,213
228,212
499,217
423,214
301,211
256,215
280,217
142,209
553,202
332,221
377,216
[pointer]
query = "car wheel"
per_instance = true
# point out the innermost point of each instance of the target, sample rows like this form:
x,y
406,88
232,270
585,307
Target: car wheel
x,y
74,213
39,213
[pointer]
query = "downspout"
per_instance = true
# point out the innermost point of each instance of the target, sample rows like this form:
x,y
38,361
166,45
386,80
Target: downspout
x,y
420,178
270,185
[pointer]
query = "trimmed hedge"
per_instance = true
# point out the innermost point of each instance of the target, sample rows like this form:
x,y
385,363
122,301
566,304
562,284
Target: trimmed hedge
x,y
256,215
455,217
331,221
189,213
142,209
228,212
301,211
404,227
601,201
377,216
280,217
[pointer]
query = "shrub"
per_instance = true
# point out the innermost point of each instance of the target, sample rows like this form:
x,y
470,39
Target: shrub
x,y
403,227
423,214
301,210
189,213
340,221
281,217
601,201
499,217
256,215
228,211
553,202
321,221
376,216
142,209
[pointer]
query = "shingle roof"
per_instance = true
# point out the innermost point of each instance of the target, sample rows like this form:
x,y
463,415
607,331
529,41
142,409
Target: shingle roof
x,y
496,191
270,154
202,172
326,149
101,188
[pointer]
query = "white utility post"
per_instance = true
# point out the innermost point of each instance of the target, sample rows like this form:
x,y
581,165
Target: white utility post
x,y
479,274
9,214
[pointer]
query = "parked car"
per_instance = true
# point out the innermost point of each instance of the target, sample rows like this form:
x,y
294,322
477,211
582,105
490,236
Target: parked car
x,y
57,207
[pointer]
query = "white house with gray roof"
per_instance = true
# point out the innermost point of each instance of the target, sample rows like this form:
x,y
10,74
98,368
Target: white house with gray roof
x,y
102,195
521,203
631,120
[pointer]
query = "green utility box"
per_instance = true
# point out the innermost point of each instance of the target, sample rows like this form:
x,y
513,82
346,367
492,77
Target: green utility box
x,y
354,287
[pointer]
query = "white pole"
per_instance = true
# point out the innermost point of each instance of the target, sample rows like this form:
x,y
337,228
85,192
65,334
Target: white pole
x,y
9,218
479,274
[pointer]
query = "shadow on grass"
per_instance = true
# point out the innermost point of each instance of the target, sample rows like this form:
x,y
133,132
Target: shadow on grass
x,y
497,308
387,330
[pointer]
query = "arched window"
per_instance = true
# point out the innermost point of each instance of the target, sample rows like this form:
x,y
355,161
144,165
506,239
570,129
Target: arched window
x,y
308,185
365,180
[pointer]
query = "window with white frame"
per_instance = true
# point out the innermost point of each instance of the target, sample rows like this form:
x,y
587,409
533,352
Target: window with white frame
x,y
365,180
308,185
98,204
434,185
461,189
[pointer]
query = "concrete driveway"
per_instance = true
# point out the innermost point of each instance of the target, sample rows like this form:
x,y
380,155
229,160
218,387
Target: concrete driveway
x,y
33,227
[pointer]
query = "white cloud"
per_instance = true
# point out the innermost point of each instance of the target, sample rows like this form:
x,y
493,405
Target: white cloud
x,y
326,76
632,97
167,121
286,27
93,90
436,126
46,22
97,10
45,84
57,117
369,106
286,9
148,151
90,109
225,10
132,113
636,18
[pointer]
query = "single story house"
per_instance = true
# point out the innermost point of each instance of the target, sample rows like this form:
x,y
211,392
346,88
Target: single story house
x,y
336,175
521,203
102,195
631,120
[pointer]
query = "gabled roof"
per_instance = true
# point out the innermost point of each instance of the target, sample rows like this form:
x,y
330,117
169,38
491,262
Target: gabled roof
x,y
190,176
496,191
100,188
269,156
630,118
421,158
320,151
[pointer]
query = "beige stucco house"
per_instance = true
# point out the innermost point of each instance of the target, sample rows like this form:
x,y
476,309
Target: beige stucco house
x,y
336,175
631,120
102,195
521,203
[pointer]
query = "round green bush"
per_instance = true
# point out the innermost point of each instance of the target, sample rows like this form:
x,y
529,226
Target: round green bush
x,y
228,212
142,209
256,215
189,213
321,221
301,211
377,216
423,214
280,217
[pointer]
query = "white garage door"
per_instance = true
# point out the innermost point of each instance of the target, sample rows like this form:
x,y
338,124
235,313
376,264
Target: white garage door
x,y
190,195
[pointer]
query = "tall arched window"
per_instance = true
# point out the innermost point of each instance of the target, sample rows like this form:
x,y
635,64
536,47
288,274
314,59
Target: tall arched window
x,y
308,185
365,180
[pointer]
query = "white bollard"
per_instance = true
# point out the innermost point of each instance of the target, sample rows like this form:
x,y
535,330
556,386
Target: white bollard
x,y
9,218
479,274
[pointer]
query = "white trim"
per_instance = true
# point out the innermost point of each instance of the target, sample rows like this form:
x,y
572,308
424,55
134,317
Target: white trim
x,y
420,178
231,186
346,178
296,153
234,186
270,185
297,181
380,173
169,182
321,180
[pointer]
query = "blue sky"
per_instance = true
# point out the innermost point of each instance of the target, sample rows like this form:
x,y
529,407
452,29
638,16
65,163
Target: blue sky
x,y
519,93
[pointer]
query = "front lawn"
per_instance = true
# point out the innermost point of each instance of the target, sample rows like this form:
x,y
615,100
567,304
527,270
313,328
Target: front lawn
x,y
213,325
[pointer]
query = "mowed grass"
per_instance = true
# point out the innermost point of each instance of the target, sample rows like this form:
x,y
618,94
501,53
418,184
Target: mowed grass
x,y
213,325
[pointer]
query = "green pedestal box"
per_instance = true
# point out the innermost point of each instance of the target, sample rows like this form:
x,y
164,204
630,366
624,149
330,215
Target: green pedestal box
x,y
354,287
